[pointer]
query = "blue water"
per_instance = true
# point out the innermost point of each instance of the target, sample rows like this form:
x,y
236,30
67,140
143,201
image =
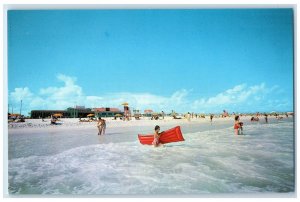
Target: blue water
x,y
210,160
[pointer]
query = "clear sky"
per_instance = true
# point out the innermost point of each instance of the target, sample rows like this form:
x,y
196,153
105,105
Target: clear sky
x,y
200,60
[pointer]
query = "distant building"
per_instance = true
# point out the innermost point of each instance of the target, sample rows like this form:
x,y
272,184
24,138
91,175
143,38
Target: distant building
x,y
79,107
78,112
36,114
107,112
148,112
136,112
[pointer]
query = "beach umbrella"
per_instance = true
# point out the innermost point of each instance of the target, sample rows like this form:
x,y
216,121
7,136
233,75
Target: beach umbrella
x,y
57,115
125,104
90,115
148,111
14,115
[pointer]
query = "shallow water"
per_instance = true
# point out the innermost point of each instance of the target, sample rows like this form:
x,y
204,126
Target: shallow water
x,y
210,160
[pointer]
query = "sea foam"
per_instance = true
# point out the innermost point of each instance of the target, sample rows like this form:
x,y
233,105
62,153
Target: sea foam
x,y
212,161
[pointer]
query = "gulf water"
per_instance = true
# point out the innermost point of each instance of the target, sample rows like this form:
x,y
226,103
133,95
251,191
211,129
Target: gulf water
x,y
211,160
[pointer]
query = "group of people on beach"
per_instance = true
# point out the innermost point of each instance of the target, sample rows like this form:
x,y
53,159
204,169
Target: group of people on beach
x,y
238,128
101,125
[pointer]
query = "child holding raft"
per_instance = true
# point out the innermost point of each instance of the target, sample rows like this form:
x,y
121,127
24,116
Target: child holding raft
x,y
157,134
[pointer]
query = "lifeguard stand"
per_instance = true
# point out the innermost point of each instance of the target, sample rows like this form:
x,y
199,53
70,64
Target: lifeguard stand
x,y
127,113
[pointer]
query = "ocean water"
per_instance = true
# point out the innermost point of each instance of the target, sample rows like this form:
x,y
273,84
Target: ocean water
x,y
210,161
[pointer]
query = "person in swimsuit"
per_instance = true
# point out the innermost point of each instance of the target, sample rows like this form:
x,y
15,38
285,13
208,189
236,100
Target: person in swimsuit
x,y
101,125
237,125
157,134
188,116
266,117
211,117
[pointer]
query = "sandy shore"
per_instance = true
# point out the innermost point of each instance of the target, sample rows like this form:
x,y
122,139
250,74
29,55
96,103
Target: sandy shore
x,y
73,124
67,123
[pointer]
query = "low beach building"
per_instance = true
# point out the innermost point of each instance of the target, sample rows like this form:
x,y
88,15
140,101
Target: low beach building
x,y
71,112
148,112
37,114
78,112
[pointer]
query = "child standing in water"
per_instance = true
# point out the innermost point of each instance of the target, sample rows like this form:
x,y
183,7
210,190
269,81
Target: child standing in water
x,y
157,135
237,125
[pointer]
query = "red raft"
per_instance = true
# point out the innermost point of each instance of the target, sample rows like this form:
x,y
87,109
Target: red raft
x,y
171,135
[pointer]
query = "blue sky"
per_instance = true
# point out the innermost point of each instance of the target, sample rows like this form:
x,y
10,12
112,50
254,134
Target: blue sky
x,y
186,60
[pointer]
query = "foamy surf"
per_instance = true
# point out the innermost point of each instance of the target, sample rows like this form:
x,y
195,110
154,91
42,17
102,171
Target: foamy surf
x,y
212,161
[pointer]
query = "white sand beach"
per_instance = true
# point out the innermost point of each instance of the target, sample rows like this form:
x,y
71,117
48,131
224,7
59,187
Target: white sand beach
x,y
75,124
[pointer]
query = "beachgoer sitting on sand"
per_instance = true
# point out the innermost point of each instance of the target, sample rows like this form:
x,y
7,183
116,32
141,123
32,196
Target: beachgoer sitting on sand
x,y
154,117
175,117
238,126
83,120
157,135
20,119
254,119
53,120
